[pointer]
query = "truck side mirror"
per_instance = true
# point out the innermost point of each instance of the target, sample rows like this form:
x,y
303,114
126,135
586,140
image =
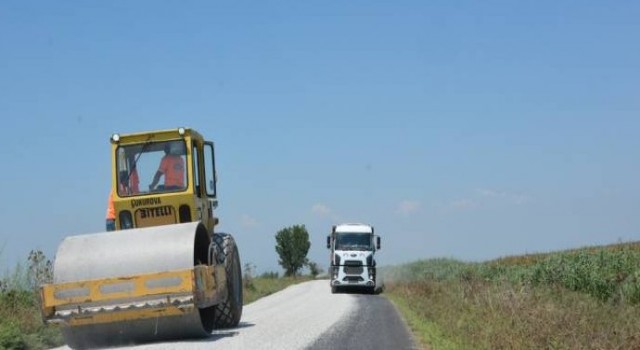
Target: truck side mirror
x,y
378,242
328,242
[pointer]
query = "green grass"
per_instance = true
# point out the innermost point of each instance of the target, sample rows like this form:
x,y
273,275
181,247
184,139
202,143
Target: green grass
x,y
579,299
21,326
428,332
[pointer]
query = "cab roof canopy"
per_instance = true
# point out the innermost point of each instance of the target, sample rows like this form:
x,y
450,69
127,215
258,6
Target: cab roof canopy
x,y
353,227
157,135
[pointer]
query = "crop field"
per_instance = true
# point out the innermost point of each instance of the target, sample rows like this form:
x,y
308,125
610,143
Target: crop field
x,y
585,298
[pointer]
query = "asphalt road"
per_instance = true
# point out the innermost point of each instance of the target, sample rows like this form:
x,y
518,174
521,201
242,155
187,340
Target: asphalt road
x,y
307,316
373,324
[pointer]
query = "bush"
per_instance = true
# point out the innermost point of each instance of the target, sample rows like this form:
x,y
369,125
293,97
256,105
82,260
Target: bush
x,y
247,278
270,275
21,325
11,337
314,268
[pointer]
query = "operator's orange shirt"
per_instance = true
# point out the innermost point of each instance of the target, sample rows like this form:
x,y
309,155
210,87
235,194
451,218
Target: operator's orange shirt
x,y
134,181
134,184
172,167
111,211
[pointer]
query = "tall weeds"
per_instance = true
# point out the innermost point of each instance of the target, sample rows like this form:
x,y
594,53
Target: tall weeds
x,y
21,326
580,299
609,274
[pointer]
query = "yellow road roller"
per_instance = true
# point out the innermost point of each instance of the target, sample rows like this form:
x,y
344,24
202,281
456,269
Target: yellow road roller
x,y
163,273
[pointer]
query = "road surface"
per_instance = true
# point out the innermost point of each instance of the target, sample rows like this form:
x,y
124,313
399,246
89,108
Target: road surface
x,y
307,316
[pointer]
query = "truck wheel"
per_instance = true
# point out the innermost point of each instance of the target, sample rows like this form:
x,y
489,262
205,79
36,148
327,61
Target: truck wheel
x,y
227,314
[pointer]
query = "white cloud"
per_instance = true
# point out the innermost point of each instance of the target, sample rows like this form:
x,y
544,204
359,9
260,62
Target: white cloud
x,y
248,222
321,210
408,207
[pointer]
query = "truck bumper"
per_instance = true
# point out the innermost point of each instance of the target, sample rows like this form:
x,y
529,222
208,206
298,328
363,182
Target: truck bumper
x,y
356,277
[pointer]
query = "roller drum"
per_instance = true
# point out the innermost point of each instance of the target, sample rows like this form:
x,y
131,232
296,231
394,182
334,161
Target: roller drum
x,y
129,253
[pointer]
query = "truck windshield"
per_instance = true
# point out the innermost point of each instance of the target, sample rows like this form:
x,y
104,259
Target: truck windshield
x,y
137,165
353,241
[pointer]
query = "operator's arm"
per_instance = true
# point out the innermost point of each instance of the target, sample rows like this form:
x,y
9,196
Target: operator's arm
x,y
161,170
156,178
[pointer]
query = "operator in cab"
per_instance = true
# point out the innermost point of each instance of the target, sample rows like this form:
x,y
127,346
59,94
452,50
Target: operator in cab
x,y
171,167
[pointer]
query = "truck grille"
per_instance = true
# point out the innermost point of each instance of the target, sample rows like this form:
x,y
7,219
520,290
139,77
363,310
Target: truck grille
x,y
353,267
353,262
353,270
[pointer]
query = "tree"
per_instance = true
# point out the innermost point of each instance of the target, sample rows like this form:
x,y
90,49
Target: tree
x,y
314,268
40,269
292,244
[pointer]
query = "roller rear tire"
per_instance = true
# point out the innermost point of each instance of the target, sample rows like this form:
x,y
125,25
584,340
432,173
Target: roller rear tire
x,y
227,314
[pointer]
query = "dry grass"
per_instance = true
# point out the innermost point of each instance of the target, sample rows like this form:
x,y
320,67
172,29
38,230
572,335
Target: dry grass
x,y
495,305
482,315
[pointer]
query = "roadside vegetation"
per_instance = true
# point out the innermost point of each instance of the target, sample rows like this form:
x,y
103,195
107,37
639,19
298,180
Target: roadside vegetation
x,y
256,287
21,325
579,299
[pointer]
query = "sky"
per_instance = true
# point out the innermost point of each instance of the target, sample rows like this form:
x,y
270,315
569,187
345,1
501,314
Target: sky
x,y
463,129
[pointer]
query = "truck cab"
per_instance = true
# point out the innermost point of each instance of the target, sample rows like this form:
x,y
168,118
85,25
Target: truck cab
x,y
353,265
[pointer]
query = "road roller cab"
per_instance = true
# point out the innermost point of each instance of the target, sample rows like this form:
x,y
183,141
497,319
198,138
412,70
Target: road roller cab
x,y
185,190
164,273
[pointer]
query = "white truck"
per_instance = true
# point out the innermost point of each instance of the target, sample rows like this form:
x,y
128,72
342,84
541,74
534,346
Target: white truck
x,y
353,265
